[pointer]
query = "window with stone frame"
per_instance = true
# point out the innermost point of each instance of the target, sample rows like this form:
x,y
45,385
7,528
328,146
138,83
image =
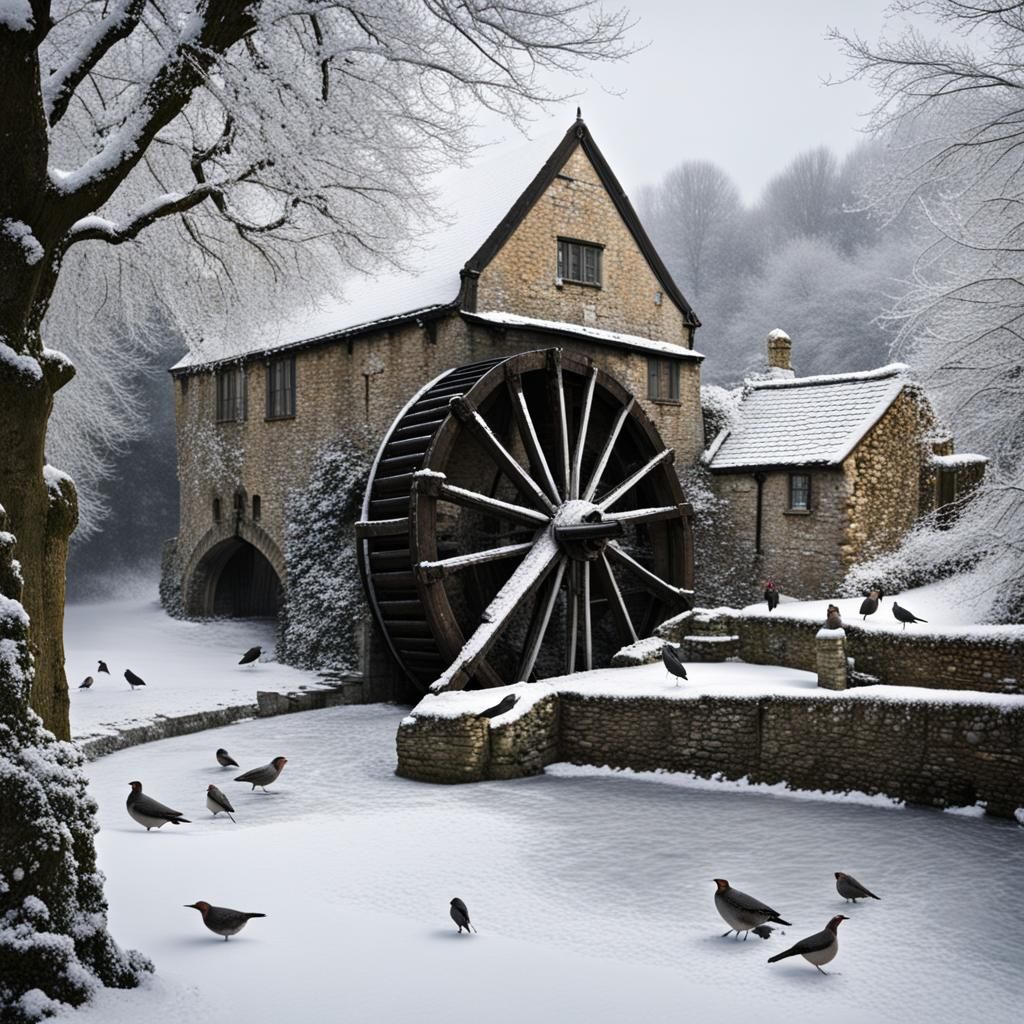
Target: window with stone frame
x,y
663,380
281,388
231,395
799,492
579,262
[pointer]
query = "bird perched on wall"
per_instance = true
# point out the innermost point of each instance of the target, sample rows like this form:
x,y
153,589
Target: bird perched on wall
x,y
149,812
850,889
507,703
85,683
103,668
817,949
225,760
740,911
251,656
671,660
460,915
771,595
264,775
223,920
133,679
905,615
833,620
218,802
870,603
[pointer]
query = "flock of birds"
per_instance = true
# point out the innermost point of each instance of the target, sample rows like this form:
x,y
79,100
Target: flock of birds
x,y
250,657
743,913
868,606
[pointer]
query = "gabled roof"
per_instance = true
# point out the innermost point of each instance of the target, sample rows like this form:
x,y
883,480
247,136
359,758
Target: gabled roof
x,y
488,202
809,421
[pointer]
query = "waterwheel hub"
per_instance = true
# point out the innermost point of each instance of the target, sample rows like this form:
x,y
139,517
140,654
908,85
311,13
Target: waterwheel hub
x,y
582,530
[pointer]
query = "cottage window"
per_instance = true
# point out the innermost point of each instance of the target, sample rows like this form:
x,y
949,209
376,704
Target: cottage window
x,y
663,380
257,508
579,262
281,388
231,395
799,492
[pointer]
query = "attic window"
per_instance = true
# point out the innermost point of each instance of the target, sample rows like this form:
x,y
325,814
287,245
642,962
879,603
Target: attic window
x,y
579,262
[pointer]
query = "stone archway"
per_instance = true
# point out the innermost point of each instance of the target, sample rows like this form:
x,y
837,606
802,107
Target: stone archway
x,y
235,574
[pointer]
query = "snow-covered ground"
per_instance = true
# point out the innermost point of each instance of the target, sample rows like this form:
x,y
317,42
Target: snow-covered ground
x,y
591,889
187,666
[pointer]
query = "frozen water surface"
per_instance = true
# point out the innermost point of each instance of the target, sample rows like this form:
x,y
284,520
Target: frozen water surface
x,y
592,893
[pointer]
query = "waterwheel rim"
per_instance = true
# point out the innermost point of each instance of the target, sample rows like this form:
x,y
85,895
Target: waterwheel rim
x,y
545,525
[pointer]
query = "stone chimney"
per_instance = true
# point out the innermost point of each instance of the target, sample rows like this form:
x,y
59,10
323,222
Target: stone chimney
x,y
779,348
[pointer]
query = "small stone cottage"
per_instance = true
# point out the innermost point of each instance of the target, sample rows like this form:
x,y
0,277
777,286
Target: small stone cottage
x,y
823,472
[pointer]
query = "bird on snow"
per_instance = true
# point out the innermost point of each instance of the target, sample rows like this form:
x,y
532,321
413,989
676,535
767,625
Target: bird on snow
x,y
133,679
817,949
850,889
225,760
218,802
507,703
905,615
460,915
264,775
103,668
223,920
834,619
763,931
251,655
85,683
149,812
740,911
671,660
870,604
771,595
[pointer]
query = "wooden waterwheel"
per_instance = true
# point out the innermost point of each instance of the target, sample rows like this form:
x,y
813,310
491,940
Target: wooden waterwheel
x,y
522,520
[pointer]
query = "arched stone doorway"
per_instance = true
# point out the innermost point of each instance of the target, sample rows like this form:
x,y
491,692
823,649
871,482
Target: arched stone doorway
x,y
234,579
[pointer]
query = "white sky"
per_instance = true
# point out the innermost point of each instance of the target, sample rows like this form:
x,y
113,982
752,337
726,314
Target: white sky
x,y
737,82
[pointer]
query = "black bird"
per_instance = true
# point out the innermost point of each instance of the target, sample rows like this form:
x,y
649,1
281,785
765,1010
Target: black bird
x,y
905,615
103,668
251,655
225,760
870,603
771,595
507,703
850,889
133,679
818,949
460,915
671,660
85,683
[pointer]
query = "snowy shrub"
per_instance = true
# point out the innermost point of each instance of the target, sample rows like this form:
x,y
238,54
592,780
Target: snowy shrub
x,y
719,407
54,945
324,605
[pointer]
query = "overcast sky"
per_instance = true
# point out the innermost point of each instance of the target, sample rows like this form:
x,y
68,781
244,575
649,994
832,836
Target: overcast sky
x,y
737,82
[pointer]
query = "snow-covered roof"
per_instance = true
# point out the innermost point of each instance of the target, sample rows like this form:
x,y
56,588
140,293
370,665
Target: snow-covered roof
x,y
473,203
809,421
616,338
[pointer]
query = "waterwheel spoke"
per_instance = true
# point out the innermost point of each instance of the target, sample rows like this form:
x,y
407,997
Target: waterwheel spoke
x,y
528,432
562,422
606,452
540,620
666,454
520,586
650,581
588,632
615,601
572,607
581,437
446,566
646,515
485,503
502,457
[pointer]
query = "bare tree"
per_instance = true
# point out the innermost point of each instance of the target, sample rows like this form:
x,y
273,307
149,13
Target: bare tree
x,y
952,110
169,151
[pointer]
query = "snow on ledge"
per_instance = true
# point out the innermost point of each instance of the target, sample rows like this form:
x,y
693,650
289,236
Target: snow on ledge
x,y
457,703
959,459
500,318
